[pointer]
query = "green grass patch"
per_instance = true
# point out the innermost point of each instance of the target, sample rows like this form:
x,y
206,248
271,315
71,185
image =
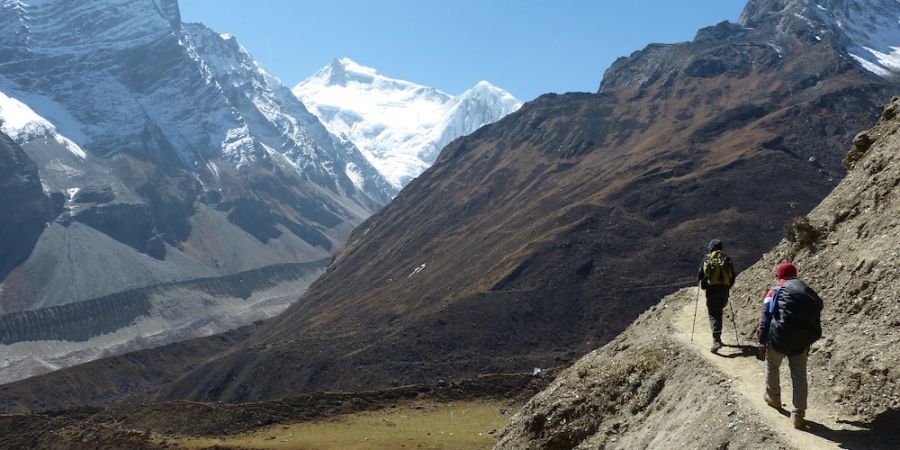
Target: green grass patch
x,y
417,425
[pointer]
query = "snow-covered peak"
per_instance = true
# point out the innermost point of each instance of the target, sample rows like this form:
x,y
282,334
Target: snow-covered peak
x,y
400,126
872,27
867,30
277,119
486,90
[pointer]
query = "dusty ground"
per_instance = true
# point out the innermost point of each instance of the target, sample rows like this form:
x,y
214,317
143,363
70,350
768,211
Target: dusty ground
x,y
748,374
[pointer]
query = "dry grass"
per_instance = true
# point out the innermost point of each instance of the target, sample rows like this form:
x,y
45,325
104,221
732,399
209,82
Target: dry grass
x,y
427,425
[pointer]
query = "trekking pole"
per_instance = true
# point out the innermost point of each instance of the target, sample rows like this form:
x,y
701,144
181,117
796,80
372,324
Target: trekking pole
x,y
734,322
696,302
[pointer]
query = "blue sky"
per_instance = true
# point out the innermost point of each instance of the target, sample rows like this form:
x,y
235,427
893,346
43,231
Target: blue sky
x,y
527,47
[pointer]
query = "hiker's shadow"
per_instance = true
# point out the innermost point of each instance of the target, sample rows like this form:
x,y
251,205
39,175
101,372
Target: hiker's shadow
x,y
883,433
738,351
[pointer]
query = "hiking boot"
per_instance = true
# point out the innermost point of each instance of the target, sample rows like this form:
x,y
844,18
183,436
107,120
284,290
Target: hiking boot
x,y
716,346
774,402
797,420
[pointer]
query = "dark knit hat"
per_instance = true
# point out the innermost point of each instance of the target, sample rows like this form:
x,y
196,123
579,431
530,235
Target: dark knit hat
x,y
786,271
714,244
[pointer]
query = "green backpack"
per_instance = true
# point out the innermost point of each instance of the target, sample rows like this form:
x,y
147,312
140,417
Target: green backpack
x,y
717,269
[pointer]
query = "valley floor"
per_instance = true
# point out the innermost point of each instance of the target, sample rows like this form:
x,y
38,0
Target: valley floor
x,y
428,425
460,415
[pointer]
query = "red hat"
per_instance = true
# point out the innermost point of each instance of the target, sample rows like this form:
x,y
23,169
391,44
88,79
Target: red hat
x,y
785,271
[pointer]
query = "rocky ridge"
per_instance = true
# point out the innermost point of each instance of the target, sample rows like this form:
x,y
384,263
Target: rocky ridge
x,y
846,248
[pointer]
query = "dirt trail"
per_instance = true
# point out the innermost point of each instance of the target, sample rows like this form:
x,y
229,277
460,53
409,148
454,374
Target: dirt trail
x,y
748,375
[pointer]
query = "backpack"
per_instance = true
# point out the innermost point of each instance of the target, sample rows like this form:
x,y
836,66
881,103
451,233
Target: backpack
x,y
796,318
717,269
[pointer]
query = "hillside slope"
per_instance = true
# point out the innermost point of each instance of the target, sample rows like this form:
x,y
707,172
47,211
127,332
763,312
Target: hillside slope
x,y
848,253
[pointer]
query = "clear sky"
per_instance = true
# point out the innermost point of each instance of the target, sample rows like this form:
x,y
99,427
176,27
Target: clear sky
x,y
527,47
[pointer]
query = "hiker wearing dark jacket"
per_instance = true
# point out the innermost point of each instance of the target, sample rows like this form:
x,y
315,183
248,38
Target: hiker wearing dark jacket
x,y
716,276
789,324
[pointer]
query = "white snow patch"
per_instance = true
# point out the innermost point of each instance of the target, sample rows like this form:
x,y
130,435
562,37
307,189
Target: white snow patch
x,y
72,191
22,124
871,67
417,270
214,169
355,175
873,29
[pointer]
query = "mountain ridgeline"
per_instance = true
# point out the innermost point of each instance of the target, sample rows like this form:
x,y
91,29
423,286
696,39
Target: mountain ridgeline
x,y
541,237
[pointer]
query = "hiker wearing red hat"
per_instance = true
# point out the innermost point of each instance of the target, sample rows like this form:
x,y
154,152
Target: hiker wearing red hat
x,y
790,323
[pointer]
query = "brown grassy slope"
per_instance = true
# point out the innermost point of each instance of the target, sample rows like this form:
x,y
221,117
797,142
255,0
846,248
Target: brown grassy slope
x,y
853,264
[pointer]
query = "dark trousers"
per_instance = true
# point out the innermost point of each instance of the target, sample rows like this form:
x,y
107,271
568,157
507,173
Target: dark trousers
x,y
716,300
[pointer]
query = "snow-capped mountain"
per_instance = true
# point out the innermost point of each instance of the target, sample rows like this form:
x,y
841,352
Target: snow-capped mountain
x,y
165,154
398,125
278,120
868,30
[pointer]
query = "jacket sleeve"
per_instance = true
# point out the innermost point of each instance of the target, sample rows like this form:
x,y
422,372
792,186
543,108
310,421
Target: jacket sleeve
x,y
765,319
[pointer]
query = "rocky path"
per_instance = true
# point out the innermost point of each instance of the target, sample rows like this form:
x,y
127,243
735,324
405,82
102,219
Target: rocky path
x,y
748,375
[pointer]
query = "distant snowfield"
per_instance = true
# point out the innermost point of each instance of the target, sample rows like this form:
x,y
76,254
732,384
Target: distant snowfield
x,y
22,124
398,125
874,33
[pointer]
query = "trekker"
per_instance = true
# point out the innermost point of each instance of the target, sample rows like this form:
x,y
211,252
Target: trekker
x,y
716,277
790,323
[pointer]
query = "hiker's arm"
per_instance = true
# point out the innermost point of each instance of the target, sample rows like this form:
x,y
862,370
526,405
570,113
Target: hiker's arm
x,y
765,320
701,277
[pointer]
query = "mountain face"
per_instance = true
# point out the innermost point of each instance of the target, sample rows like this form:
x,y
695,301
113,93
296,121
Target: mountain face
x,y
620,397
542,236
868,30
23,204
164,153
400,126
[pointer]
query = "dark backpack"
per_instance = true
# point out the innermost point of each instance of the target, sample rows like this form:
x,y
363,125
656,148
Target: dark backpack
x,y
796,318
717,269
